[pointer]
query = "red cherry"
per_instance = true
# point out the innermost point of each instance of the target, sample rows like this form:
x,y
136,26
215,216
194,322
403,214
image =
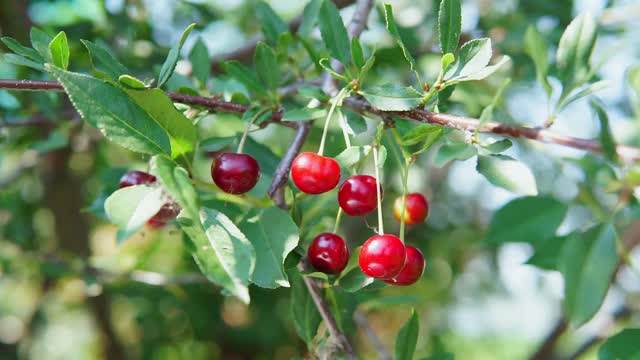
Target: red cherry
x,y
328,253
416,209
136,178
315,174
382,256
412,270
235,173
357,195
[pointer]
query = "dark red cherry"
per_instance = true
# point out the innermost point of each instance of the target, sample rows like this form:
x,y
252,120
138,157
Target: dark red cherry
x,y
136,178
328,253
416,209
412,270
382,256
315,174
235,173
357,195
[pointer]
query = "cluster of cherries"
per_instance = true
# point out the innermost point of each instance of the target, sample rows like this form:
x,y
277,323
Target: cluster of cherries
x,y
382,256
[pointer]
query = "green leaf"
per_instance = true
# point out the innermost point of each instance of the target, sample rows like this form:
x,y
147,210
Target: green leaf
x,y
103,60
309,17
200,62
393,97
623,345
606,137
474,56
352,279
40,41
449,25
306,317
244,75
131,207
355,122
110,109
419,134
22,50
395,33
508,173
23,61
458,151
304,114
217,143
587,264
272,24
574,50
273,235
353,155
334,34
440,356
220,249
364,70
131,82
407,338
546,255
498,146
59,48
172,58
356,53
159,107
326,65
536,48
267,66
584,91
529,219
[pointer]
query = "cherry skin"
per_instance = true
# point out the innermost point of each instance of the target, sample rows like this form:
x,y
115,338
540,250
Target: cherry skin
x,y
357,195
166,213
136,178
315,174
382,256
416,209
412,270
328,253
235,173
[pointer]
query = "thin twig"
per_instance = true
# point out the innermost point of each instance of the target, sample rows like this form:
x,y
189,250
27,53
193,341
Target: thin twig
x,y
360,105
363,323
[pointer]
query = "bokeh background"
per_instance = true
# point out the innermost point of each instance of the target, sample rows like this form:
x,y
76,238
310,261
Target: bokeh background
x,y
69,291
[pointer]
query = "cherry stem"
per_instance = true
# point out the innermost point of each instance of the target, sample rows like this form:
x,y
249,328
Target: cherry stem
x,y
405,180
338,219
246,130
345,133
337,99
378,194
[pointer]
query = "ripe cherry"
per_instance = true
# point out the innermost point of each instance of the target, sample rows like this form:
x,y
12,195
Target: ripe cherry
x,y
166,213
382,256
416,209
357,195
412,270
136,178
328,253
235,173
315,174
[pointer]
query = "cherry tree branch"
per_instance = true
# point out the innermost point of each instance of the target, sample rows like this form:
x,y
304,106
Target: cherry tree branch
x,y
360,105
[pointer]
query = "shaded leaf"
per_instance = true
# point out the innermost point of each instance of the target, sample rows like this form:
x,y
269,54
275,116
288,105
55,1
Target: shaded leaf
x,y
272,24
172,58
273,235
449,25
40,41
356,53
334,34
528,219
407,338
103,60
200,62
267,66
23,61
575,48
508,173
606,137
587,264
244,75
536,48
395,33
392,97
22,50
306,317
623,345
309,17
458,151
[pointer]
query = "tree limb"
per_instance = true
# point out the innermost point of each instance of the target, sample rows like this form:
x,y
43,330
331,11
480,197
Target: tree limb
x,y
360,105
